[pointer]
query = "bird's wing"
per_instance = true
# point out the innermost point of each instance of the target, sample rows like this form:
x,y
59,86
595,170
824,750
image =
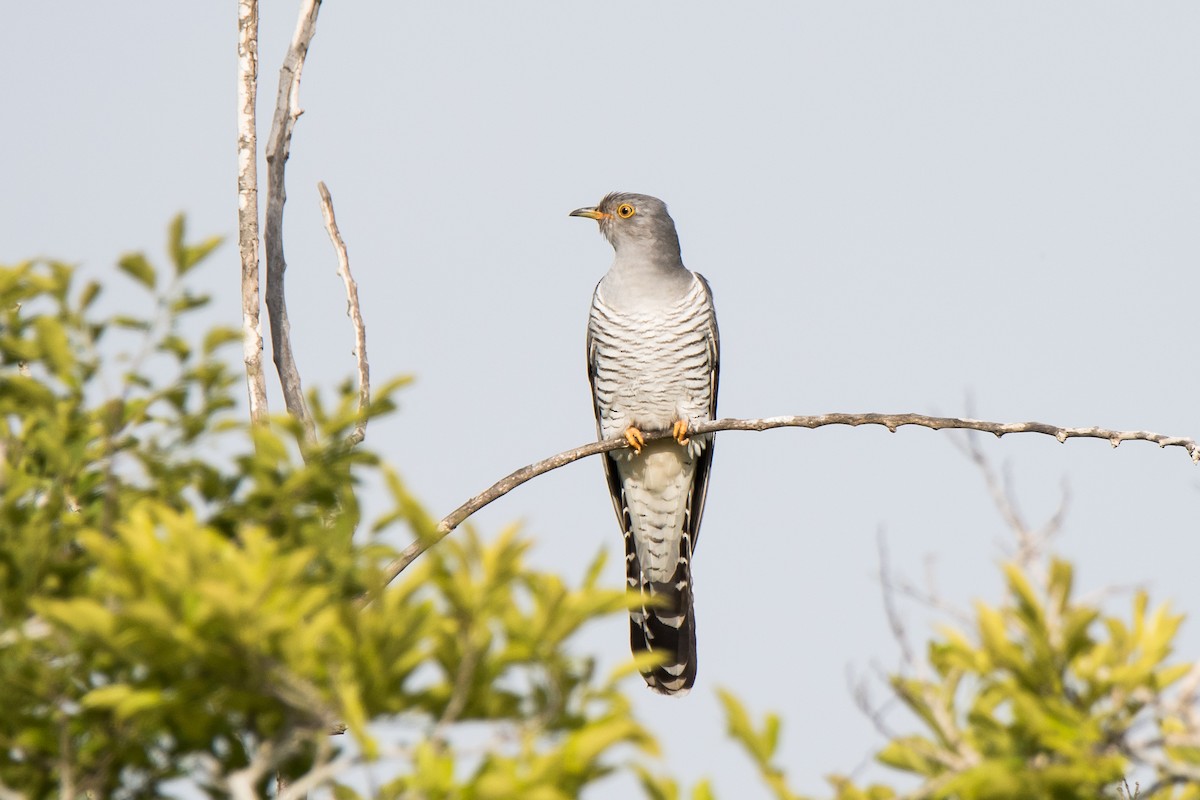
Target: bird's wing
x,y
704,460
610,470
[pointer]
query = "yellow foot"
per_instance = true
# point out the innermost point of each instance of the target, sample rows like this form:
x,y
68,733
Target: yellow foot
x,y
679,430
635,438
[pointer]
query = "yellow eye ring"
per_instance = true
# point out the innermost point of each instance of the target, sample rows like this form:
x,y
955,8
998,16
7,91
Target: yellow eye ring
x,y
625,211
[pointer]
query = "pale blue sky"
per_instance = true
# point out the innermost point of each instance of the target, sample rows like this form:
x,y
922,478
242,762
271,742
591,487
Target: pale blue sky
x,y
896,204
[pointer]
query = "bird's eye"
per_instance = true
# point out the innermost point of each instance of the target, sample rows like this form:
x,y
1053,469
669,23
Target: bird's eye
x,y
625,211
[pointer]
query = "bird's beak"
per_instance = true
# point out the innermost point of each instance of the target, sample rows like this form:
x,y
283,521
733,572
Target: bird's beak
x,y
590,213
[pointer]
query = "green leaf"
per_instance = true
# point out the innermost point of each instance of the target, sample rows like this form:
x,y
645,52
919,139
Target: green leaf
x,y
56,349
656,787
89,294
123,700
183,256
137,267
177,346
176,231
130,323
187,302
911,754
194,254
216,337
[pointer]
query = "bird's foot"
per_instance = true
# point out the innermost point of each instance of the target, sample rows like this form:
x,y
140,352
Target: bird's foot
x,y
636,439
680,431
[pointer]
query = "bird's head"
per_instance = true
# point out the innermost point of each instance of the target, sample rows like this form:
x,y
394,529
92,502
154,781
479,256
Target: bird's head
x,y
634,219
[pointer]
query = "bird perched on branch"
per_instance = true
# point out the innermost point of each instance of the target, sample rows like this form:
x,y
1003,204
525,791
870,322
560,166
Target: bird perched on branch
x,y
653,355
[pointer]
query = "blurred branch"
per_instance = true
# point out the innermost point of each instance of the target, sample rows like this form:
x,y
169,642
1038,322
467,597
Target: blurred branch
x,y
325,769
462,687
66,776
957,754
287,111
1031,544
242,784
7,793
890,609
247,93
353,311
890,421
876,713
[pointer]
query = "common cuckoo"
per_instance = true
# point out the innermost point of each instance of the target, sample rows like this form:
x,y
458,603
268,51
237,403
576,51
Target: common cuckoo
x,y
653,355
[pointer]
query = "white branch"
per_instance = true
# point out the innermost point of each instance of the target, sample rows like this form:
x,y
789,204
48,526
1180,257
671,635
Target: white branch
x,y
889,421
241,784
353,311
315,778
247,92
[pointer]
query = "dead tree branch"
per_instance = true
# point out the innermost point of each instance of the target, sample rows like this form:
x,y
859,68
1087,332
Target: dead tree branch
x,y
1031,544
890,421
247,94
353,311
287,111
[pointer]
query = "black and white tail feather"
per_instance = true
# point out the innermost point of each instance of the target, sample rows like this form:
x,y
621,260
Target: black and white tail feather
x,y
664,624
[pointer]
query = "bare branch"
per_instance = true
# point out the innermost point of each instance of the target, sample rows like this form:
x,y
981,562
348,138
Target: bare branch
x,y
1031,544
1184,705
241,784
957,754
353,311
1172,771
314,779
462,687
889,421
66,776
860,691
247,94
891,611
7,793
287,111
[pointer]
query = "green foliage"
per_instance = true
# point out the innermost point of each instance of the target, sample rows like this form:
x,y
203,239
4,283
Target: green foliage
x,y
759,744
183,594
1046,698
1049,699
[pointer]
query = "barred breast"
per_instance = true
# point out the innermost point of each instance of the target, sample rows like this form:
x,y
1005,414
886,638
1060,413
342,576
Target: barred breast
x,y
652,364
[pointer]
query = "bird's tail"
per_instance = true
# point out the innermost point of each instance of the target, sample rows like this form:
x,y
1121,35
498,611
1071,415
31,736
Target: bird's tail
x,y
663,623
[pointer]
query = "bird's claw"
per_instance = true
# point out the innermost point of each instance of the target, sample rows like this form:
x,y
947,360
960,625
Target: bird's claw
x,y
635,438
680,431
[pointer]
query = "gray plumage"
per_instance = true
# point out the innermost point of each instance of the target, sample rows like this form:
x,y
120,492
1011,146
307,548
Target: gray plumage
x,y
653,360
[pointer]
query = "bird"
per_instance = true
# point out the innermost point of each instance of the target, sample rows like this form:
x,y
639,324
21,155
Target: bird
x,y
653,359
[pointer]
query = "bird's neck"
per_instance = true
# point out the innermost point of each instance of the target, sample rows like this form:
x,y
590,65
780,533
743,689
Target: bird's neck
x,y
640,275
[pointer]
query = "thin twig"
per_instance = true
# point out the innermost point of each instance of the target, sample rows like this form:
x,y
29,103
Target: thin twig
x,y
957,755
287,111
247,93
354,312
889,421
860,691
891,611
462,687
